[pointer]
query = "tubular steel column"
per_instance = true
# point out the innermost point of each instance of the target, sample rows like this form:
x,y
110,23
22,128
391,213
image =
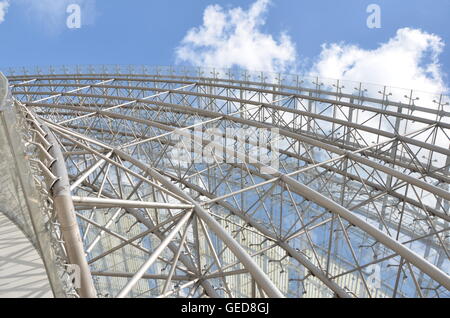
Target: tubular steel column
x,y
65,212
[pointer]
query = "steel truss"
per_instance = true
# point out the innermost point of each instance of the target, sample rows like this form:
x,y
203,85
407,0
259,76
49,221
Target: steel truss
x,y
359,206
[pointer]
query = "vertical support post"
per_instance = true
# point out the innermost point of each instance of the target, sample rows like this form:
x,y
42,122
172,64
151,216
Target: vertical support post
x,y
65,213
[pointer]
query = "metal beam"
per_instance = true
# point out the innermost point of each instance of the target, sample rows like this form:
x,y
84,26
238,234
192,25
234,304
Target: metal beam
x,y
62,200
418,261
143,269
110,203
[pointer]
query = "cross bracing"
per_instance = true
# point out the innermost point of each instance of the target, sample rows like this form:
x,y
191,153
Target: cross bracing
x,y
357,205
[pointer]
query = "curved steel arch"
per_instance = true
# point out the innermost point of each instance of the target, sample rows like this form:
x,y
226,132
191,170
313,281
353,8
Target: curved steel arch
x,y
358,208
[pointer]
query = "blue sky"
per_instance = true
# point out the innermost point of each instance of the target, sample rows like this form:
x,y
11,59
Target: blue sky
x,y
149,32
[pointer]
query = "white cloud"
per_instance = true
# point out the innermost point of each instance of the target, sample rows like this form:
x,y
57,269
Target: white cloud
x,y
3,9
52,15
408,60
235,37
48,13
